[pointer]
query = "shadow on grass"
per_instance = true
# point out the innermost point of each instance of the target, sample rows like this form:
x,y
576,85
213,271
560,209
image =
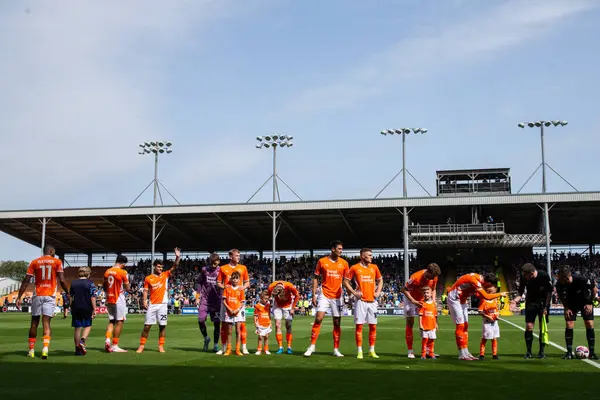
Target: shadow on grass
x,y
97,381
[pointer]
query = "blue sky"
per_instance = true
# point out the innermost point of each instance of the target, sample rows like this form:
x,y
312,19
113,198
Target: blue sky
x,y
86,83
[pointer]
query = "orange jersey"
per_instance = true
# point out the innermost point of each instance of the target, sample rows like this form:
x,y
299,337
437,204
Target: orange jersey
x,y
234,297
332,275
489,308
226,270
428,314
115,277
290,294
262,312
469,284
417,282
44,270
157,285
365,278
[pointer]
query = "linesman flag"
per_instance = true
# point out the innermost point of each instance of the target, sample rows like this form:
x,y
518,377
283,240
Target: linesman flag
x,y
545,337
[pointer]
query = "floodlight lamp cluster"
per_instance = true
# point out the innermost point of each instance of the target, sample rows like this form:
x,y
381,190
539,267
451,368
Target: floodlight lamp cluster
x,y
403,131
274,141
156,147
540,123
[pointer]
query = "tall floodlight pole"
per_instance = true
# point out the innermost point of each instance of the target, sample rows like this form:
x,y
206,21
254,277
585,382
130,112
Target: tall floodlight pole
x,y
404,132
155,148
273,142
541,125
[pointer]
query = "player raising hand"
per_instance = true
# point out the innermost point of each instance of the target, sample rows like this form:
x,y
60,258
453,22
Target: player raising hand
x,y
156,288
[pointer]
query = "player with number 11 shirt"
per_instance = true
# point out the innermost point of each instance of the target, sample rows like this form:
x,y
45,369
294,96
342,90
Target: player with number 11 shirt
x,y
46,270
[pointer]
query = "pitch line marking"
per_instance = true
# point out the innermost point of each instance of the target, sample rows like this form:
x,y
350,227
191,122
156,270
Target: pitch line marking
x,y
593,363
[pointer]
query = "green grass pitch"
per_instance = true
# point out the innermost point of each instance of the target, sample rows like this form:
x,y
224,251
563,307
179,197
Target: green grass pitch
x,y
186,372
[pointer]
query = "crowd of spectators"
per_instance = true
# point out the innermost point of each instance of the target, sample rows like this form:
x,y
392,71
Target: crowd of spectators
x,y
298,270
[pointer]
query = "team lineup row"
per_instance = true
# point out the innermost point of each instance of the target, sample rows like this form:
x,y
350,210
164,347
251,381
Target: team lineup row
x,y
222,297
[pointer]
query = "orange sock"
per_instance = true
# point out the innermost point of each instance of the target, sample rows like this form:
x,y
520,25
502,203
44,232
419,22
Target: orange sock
x,y
431,347
314,333
337,334
109,335
459,333
31,343
288,338
424,343
46,341
494,347
161,341
259,347
143,341
466,336
116,341
279,338
482,346
409,337
372,334
243,333
266,346
358,335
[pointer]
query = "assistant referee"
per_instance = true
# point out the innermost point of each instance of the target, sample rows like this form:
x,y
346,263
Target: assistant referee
x,y
537,302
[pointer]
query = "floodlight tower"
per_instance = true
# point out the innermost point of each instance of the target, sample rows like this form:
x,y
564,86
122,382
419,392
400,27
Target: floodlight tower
x,y
404,132
156,148
273,142
541,125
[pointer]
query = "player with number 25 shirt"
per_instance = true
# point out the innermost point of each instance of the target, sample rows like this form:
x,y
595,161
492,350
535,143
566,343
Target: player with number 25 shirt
x,y
155,288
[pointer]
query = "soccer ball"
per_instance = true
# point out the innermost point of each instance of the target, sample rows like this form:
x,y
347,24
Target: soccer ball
x,y
582,352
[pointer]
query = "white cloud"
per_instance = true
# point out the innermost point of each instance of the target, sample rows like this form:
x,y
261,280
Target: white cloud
x,y
509,24
82,83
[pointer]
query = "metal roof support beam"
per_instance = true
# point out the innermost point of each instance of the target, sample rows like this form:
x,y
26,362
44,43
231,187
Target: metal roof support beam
x,y
348,226
117,224
232,229
187,234
70,229
19,235
55,240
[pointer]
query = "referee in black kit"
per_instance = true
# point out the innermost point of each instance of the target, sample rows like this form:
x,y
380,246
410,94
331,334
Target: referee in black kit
x,y
537,302
577,294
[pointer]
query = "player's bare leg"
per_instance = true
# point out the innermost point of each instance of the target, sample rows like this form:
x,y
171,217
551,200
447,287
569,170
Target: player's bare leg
x,y
337,334
85,333
35,322
279,336
266,345
288,336
162,336
144,338
116,335
314,335
408,335
259,346
109,335
47,332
